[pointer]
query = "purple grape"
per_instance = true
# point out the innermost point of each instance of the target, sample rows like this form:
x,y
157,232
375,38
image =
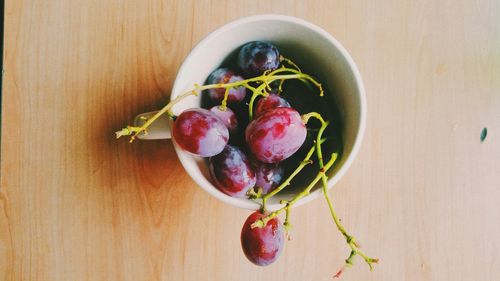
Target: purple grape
x,y
224,76
262,246
258,56
200,132
231,172
270,102
228,118
268,176
276,134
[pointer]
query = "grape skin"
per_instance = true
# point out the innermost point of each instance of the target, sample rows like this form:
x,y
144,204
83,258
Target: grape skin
x,y
275,135
270,102
262,246
258,56
268,176
200,132
232,172
228,118
224,76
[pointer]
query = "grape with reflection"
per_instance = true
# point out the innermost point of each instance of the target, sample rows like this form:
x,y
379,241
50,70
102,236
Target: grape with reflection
x,y
268,176
228,118
258,56
270,102
262,246
232,172
224,76
200,132
275,135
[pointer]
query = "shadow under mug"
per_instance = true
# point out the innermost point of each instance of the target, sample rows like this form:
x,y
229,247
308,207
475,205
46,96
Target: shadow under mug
x,y
306,44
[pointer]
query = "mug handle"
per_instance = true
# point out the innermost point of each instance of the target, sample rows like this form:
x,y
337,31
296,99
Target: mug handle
x,y
158,130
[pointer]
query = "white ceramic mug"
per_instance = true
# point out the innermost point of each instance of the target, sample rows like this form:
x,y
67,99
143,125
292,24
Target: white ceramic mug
x,y
307,44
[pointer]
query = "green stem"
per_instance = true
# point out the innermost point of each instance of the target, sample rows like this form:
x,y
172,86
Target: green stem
x,y
324,124
223,105
290,62
257,92
287,219
287,182
349,238
134,131
263,221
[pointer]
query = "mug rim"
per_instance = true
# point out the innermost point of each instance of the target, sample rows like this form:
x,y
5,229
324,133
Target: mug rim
x,y
248,204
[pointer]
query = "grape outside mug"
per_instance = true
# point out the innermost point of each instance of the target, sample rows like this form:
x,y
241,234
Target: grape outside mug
x,y
333,67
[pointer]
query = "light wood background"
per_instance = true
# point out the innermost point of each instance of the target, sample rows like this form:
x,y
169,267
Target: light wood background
x,y
75,204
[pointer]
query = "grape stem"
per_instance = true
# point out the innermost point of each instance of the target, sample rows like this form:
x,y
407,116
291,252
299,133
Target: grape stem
x,y
263,221
290,62
223,105
349,238
287,182
266,78
134,131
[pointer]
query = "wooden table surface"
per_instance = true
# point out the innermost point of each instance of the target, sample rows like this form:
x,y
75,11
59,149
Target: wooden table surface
x,y
75,204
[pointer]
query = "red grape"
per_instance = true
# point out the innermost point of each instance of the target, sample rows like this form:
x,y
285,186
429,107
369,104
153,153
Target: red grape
x,y
262,246
268,176
232,172
200,132
270,102
224,76
227,116
258,56
276,134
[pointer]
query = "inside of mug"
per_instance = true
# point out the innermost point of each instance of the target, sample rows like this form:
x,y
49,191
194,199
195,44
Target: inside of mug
x,y
308,48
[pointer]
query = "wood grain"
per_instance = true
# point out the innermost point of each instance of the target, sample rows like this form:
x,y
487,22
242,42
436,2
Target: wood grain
x,y
75,204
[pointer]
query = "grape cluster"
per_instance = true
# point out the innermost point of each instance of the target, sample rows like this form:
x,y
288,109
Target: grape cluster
x,y
246,155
